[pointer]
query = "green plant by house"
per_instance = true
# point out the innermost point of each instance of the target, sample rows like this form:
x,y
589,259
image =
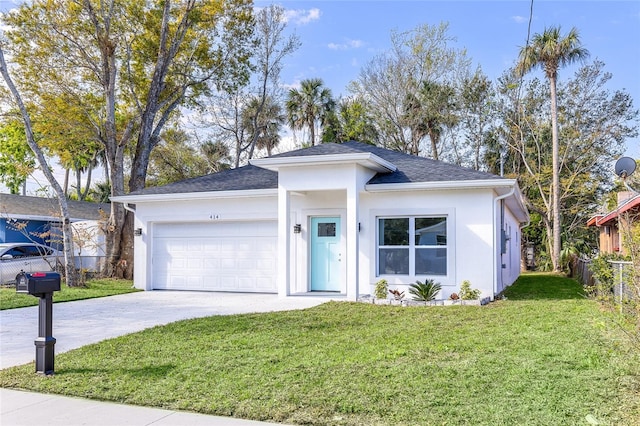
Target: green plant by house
x,y
397,294
382,288
468,293
424,291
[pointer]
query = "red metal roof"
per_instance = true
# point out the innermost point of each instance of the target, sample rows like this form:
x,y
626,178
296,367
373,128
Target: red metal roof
x,y
603,219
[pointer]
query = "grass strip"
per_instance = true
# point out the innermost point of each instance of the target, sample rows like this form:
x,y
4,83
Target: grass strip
x,y
9,299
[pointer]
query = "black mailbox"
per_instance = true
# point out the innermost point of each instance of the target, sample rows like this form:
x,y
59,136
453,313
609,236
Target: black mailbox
x,y
42,285
37,283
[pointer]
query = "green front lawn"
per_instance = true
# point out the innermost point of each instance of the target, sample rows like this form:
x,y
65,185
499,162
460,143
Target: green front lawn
x,y
9,299
520,361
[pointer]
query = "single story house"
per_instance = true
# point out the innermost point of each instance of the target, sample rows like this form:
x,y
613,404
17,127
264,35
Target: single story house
x,y
37,219
330,219
610,223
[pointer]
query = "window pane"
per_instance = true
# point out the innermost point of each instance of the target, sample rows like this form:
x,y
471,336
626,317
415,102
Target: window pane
x,y
393,262
327,229
431,261
393,232
431,231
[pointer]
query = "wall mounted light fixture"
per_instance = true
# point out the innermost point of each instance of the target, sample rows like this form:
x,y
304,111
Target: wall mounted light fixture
x,y
297,228
137,232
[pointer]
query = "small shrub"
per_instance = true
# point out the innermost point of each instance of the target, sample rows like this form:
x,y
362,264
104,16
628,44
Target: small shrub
x,y
425,291
382,287
398,295
467,293
603,274
454,296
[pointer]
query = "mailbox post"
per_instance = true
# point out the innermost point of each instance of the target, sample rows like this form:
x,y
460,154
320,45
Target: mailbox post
x,y
42,285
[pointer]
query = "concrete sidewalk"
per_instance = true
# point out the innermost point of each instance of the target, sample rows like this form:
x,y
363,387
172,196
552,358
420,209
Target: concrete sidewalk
x,y
80,323
30,409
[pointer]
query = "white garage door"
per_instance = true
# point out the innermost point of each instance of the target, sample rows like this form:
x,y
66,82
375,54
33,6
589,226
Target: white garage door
x,y
222,256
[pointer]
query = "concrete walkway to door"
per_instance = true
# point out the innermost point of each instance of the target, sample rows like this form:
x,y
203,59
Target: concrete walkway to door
x,y
80,323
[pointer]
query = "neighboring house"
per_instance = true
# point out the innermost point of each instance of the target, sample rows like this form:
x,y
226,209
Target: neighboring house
x,y
609,224
333,218
37,219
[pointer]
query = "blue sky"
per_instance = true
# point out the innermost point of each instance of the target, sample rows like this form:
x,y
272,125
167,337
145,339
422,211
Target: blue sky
x,y
339,37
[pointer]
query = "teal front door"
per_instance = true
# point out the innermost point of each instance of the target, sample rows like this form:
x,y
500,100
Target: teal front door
x,y
325,254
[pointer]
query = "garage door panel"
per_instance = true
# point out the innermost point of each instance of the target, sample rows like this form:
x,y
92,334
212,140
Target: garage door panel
x,y
225,256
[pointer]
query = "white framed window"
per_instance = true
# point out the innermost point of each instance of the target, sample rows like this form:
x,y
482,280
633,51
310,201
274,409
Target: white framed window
x,y
412,245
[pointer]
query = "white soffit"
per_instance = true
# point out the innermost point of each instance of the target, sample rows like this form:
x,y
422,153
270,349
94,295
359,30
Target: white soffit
x,y
365,159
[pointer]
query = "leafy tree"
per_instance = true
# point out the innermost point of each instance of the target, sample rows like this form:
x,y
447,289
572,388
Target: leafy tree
x,y
351,121
309,106
177,158
391,81
128,65
550,51
16,158
429,112
62,199
247,115
594,124
476,114
263,119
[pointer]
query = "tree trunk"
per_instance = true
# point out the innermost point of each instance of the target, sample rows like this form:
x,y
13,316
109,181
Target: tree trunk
x,y
66,181
555,256
78,184
434,144
88,184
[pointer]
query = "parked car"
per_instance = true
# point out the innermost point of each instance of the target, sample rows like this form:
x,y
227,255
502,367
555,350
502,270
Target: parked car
x,y
27,257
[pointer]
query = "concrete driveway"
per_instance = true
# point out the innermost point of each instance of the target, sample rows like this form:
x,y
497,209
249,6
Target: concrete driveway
x,y
80,323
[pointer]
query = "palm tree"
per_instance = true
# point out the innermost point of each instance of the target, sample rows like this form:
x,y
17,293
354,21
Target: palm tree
x,y
262,120
309,106
550,51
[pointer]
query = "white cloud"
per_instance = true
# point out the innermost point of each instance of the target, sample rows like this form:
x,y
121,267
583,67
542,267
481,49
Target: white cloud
x,y
348,44
302,16
519,19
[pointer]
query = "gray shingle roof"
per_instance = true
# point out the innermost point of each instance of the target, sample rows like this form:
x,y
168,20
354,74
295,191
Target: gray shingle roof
x,y
410,168
17,205
246,177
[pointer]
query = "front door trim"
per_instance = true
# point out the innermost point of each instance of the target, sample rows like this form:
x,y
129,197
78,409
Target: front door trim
x,y
339,259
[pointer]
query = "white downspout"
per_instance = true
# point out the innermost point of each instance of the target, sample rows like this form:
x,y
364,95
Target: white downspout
x,y
497,241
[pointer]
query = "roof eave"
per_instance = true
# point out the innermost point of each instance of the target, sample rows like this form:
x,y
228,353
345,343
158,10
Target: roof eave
x,y
365,159
495,184
186,196
18,216
603,219
500,186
